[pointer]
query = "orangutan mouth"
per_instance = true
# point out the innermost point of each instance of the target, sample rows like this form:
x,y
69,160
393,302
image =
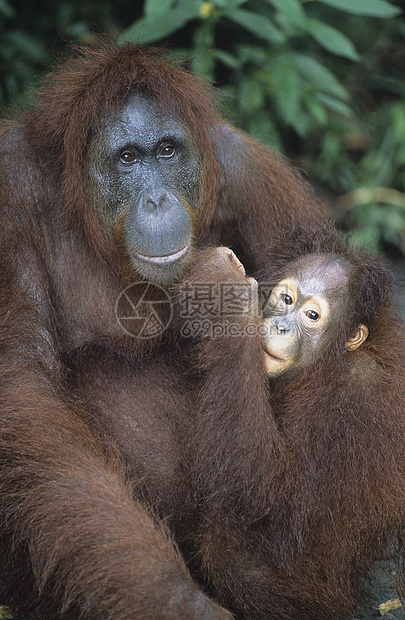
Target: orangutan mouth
x,y
164,260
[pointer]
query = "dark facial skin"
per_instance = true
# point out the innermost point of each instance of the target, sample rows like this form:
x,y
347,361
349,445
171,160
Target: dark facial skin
x,y
300,315
145,174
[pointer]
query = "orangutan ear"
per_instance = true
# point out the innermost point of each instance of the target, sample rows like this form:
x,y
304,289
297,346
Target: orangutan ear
x,y
359,336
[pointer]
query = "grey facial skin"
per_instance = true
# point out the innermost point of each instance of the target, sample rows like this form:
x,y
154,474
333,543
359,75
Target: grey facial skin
x,y
145,176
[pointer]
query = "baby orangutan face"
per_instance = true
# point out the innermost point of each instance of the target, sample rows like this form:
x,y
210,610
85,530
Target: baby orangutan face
x,y
301,313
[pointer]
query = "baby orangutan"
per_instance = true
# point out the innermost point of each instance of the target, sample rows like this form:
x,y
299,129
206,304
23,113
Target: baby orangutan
x,y
306,429
302,312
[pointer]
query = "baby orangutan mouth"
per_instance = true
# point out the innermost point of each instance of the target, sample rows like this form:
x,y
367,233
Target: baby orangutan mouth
x,y
271,362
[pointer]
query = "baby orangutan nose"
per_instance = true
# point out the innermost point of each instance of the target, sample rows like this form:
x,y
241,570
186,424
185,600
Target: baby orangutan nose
x,y
279,327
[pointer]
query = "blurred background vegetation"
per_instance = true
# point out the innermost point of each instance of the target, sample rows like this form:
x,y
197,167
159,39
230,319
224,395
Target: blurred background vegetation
x,y
323,81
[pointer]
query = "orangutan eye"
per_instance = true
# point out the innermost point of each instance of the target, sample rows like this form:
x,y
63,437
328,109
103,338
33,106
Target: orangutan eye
x,y
167,151
287,299
312,315
127,157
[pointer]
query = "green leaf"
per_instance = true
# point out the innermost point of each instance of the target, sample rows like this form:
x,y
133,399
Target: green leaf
x,y
287,85
332,40
156,8
316,110
302,123
251,95
227,59
30,46
256,24
188,6
335,105
146,30
292,9
398,120
318,76
5,9
203,64
255,54
372,8
365,236
261,126
228,4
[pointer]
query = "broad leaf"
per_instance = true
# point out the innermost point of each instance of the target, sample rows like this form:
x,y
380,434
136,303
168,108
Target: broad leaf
x,y
148,31
6,9
157,8
228,59
228,4
332,40
292,9
335,105
372,8
287,86
319,76
257,25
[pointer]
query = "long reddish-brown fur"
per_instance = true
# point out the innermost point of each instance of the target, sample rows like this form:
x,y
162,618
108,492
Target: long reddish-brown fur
x,y
97,431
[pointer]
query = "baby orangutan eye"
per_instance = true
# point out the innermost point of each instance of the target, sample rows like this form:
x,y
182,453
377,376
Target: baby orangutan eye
x,y
287,299
312,315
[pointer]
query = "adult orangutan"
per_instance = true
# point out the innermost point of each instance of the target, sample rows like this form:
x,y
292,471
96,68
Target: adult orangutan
x,y
300,459
119,170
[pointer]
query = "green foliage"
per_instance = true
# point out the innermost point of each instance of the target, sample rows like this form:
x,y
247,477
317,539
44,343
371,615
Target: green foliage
x,y
321,80
161,20
32,33
374,8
